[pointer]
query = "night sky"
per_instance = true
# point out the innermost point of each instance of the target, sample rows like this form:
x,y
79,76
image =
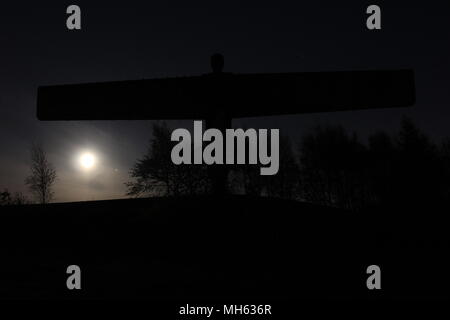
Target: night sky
x,y
136,40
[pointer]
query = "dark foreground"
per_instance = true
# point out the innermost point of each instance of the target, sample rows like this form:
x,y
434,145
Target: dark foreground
x,y
207,248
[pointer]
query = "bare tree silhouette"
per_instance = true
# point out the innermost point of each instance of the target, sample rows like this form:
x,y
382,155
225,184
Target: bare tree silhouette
x,y
43,175
156,175
333,168
5,197
285,184
419,167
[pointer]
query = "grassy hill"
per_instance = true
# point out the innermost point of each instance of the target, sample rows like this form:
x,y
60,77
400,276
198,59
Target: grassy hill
x,y
215,248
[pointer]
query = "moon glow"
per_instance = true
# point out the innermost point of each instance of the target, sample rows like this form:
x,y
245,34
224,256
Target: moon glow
x,y
87,160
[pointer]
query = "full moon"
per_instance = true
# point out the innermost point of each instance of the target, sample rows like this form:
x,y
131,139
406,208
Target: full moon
x,y
87,160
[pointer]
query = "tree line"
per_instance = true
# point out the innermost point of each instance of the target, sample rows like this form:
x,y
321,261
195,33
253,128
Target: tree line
x,y
326,166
